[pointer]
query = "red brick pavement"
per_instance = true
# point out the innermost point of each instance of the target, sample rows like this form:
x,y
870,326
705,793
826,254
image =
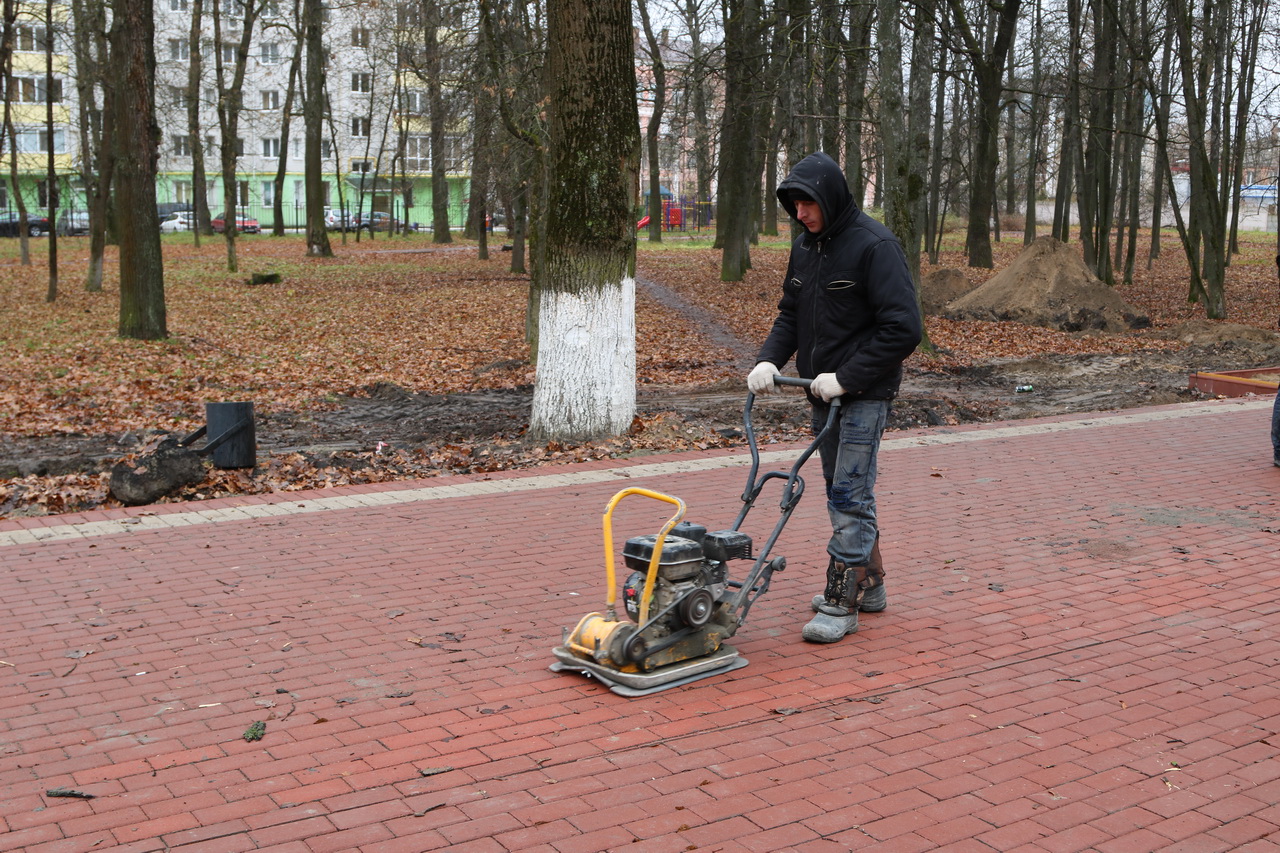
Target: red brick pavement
x,y
1084,617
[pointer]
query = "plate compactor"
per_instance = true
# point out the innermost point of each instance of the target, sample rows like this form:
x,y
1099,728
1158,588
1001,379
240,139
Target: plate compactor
x,y
680,602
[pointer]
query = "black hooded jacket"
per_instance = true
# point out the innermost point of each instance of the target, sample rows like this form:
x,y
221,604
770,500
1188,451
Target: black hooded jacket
x,y
848,303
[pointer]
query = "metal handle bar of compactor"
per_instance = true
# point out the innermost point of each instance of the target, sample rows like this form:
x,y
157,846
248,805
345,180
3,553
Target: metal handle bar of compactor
x,y
757,580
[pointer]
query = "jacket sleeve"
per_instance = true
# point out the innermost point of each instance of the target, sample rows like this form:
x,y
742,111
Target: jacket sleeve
x,y
898,327
781,343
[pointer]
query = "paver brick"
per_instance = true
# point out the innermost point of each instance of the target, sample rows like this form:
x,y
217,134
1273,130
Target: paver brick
x,y
1041,717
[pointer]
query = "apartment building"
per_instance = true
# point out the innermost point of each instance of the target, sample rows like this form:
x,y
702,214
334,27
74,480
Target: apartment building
x,y
375,148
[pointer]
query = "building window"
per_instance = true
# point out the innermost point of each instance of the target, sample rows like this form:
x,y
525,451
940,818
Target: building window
x,y
360,126
359,37
271,146
268,192
178,95
179,50
32,90
362,166
270,53
362,81
409,14
271,99
417,154
36,141
182,146
4,196
229,53
415,102
326,149
182,192
239,146
242,193
177,5
28,37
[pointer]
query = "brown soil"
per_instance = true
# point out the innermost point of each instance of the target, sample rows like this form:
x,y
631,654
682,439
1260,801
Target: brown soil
x,y
1049,285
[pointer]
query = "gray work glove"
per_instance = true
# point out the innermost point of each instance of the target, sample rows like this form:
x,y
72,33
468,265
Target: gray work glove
x,y
760,379
827,387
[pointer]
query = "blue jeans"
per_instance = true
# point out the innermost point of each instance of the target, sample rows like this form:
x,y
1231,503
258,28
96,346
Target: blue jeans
x,y
849,466
1275,431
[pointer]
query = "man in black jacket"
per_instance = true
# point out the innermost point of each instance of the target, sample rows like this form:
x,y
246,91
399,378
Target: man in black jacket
x,y
849,315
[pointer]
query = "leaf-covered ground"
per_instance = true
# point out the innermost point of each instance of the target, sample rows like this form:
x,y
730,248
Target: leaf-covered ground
x,y
425,322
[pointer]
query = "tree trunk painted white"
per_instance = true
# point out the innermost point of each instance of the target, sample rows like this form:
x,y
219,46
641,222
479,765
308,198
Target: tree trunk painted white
x,y
585,387
586,384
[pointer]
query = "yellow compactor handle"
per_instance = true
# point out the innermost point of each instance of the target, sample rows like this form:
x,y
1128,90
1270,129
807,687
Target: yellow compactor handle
x,y
653,561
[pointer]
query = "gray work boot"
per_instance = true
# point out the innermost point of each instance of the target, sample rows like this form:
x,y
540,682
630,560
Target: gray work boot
x,y
837,613
874,598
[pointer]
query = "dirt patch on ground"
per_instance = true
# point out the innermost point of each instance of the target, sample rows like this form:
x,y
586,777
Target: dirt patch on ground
x,y
391,417
386,432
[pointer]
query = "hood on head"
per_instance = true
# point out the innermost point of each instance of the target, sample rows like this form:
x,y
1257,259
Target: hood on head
x,y
820,178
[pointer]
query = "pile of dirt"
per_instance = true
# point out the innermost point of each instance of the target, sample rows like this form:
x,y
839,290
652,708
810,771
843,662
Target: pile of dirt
x,y
1049,285
1217,332
941,287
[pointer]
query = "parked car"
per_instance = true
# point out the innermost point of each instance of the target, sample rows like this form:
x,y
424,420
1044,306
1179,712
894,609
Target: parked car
x,y
376,221
74,223
176,222
37,226
164,208
337,220
244,224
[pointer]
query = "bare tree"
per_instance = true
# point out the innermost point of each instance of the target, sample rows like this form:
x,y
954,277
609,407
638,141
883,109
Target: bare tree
x,y
658,68
97,155
586,362
199,185
987,59
137,138
512,37
230,107
286,120
741,148
313,115
6,54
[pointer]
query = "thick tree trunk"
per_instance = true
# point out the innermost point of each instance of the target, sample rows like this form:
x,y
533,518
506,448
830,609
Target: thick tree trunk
x,y
1162,97
738,195
1033,129
51,163
586,357
857,61
286,118
988,69
199,185
1068,151
938,157
313,124
434,68
137,139
88,37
